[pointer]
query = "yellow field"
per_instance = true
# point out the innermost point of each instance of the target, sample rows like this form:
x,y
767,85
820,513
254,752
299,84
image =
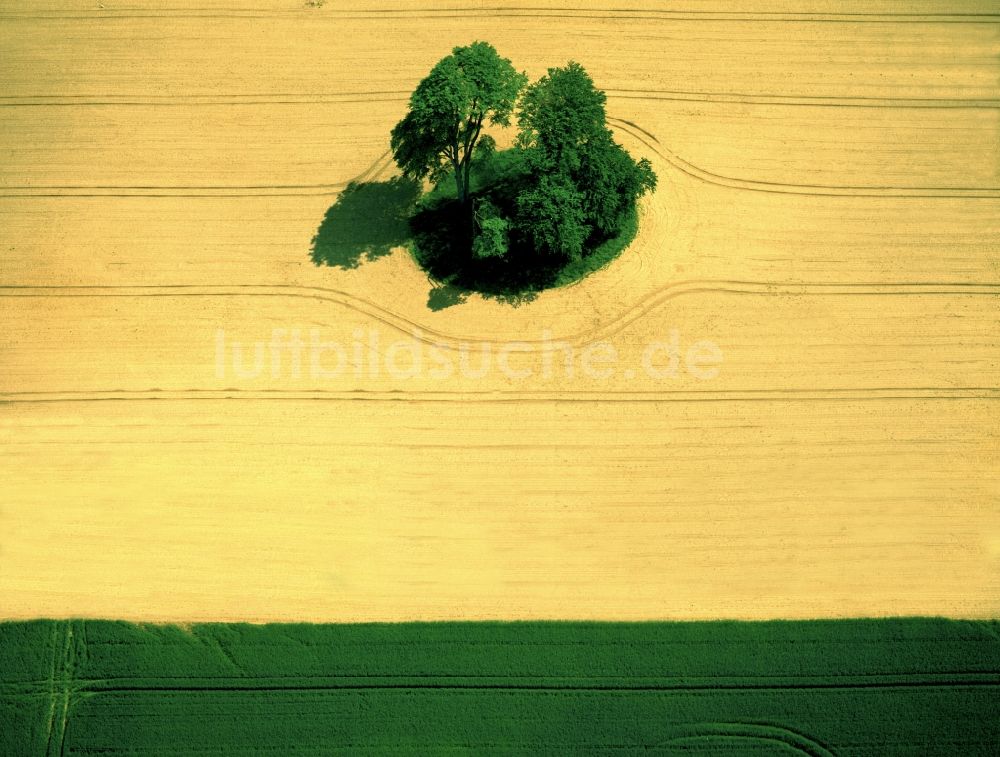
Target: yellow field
x,y
828,215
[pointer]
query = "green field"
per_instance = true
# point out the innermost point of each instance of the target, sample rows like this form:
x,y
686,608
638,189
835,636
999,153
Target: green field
x,y
852,687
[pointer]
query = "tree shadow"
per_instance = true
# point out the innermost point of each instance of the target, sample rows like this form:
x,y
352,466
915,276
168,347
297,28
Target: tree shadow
x,y
370,219
366,223
445,296
442,250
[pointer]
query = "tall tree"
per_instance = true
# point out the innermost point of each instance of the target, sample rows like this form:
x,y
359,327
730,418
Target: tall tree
x,y
560,114
584,183
443,127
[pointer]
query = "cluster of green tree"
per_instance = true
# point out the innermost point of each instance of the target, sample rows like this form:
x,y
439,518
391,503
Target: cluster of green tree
x,y
568,188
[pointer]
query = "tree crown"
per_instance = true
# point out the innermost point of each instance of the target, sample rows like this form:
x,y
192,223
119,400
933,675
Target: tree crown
x,y
559,115
448,109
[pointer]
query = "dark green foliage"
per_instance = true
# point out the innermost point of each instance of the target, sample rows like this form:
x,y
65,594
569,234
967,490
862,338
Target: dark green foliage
x,y
367,221
513,277
445,296
518,275
506,225
602,254
611,182
492,231
852,687
585,183
560,117
550,214
470,88
501,172
566,191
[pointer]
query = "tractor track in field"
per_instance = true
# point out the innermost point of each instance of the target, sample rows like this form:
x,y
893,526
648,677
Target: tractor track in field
x,y
61,688
428,335
384,162
616,13
406,683
402,95
500,397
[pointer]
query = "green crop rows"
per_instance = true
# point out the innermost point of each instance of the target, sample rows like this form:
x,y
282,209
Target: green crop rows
x,y
858,687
